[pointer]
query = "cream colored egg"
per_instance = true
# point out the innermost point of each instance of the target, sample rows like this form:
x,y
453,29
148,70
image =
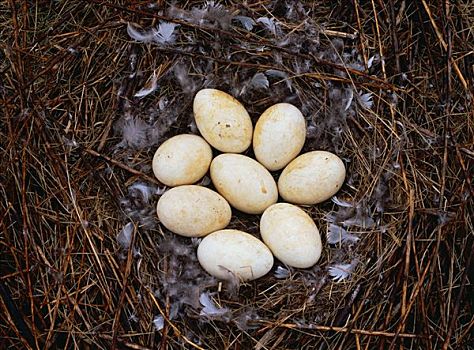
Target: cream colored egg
x,y
279,136
222,121
244,182
291,235
193,211
312,178
182,160
231,252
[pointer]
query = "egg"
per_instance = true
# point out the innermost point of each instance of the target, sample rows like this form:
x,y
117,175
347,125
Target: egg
x,y
244,182
182,160
193,211
222,121
291,235
311,178
227,252
279,136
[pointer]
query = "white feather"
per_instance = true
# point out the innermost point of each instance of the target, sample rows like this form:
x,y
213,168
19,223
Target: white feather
x,y
341,203
205,181
134,133
145,190
145,91
349,99
365,100
281,272
279,74
361,219
209,307
276,73
269,24
159,322
146,37
164,34
370,62
124,237
337,234
341,272
260,81
246,22
196,241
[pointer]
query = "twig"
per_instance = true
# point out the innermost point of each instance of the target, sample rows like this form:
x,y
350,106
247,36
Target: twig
x,y
123,166
338,34
118,311
166,318
24,332
124,343
445,46
454,316
408,244
412,299
341,330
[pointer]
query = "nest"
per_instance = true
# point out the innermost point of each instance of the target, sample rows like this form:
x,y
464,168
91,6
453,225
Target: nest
x,y
90,89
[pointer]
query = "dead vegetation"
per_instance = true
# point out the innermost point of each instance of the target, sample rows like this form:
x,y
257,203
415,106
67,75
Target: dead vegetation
x,y
386,85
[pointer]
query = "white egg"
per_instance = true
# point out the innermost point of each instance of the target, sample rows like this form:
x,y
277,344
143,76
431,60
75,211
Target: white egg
x,y
291,235
244,182
312,178
222,121
182,160
193,211
279,136
232,252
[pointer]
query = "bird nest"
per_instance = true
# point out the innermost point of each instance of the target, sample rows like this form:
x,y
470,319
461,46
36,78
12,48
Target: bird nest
x,y
89,89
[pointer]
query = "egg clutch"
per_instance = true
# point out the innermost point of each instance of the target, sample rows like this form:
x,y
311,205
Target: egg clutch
x,y
246,184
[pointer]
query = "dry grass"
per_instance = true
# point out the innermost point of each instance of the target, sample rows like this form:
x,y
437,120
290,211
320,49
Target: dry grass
x,y
68,75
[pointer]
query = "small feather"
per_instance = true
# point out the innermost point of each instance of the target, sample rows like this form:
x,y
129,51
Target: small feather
x,y
159,322
361,219
124,237
146,37
365,100
134,132
145,191
342,203
311,131
281,272
145,91
232,281
165,32
349,100
246,22
279,74
337,234
260,81
276,73
269,24
357,66
209,307
205,181
341,272
370,62
195,241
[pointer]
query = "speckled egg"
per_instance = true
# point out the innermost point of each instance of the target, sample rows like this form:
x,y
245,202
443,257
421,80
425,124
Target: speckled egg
x,y
244,182
182,160
291,235
193,211
279,136
231,252
222,121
